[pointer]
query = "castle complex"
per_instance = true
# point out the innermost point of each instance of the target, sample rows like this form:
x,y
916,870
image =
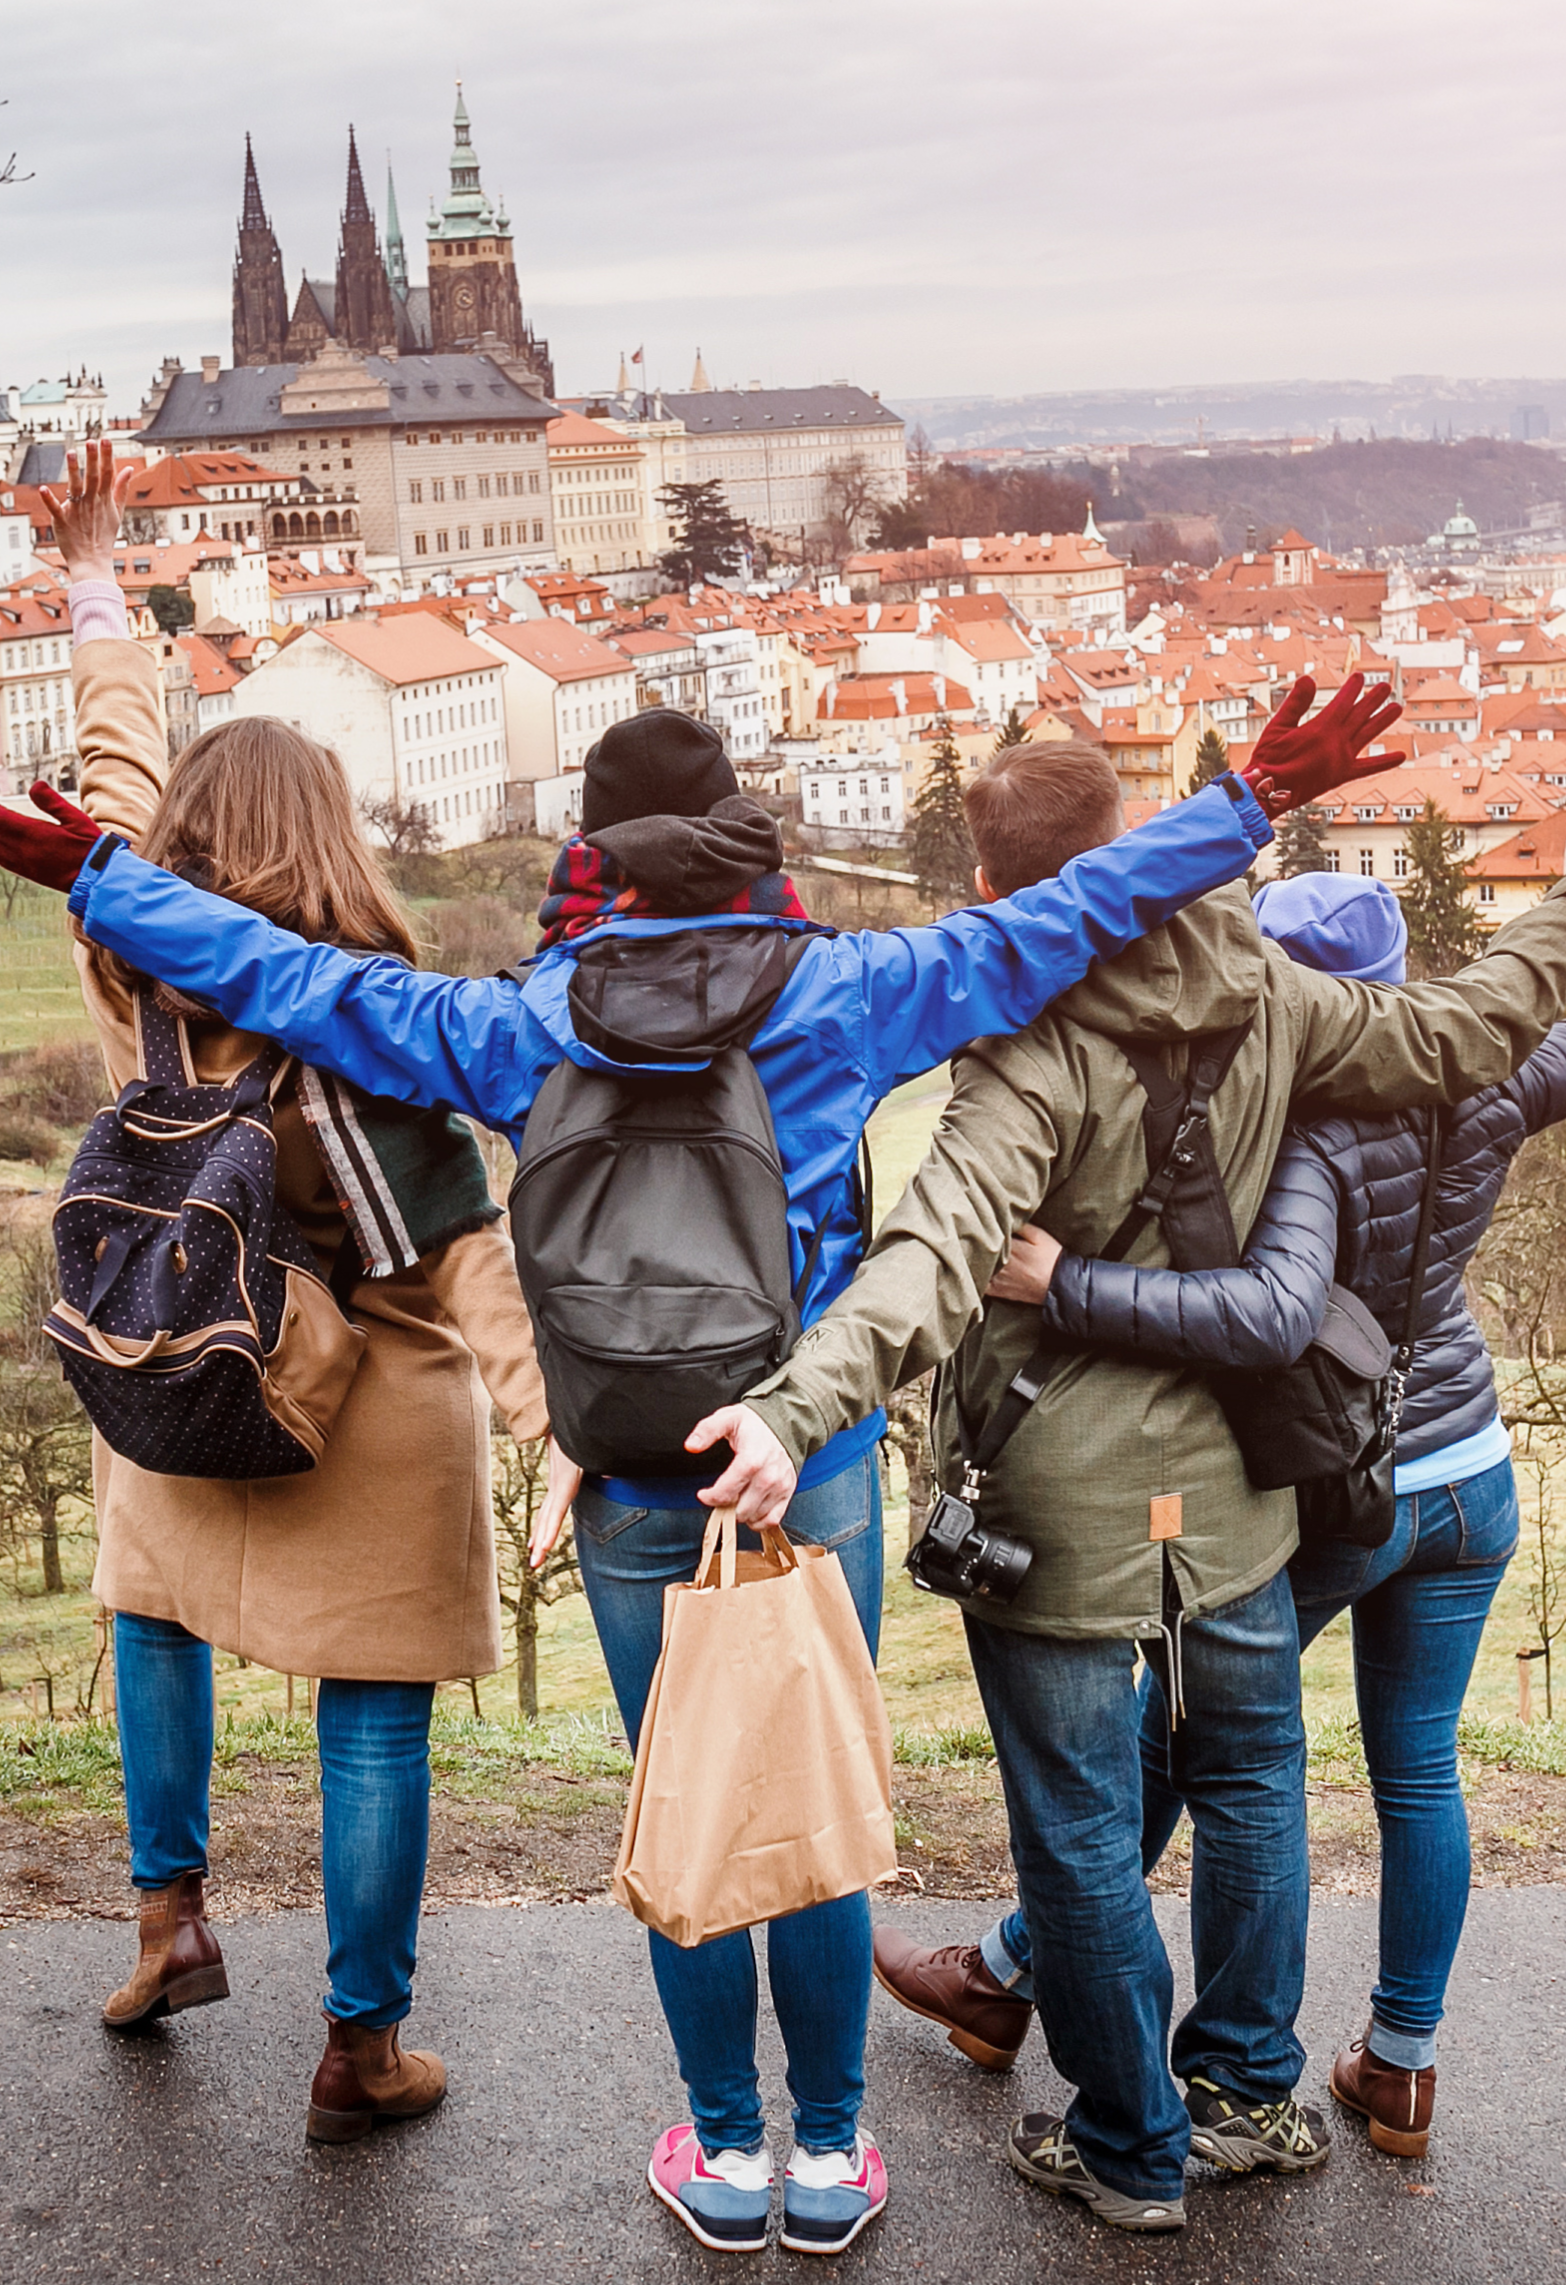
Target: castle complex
x,y
472,300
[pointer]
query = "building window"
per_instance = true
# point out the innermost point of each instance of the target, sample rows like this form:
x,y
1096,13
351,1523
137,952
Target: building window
x,y
532,480
413,436
1400,864
438,488
459,487
462,536
500,485
420,545
489,535
538,531
505,535
483,487
1367,863
1487,892
416,490
1332,861
442,543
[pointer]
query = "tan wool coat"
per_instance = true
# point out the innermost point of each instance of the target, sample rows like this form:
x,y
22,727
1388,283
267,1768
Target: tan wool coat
x,y
379,1564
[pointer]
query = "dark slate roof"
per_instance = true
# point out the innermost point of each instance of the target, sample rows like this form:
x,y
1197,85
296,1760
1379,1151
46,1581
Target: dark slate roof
x,y
706,411
43,464
325,292
245,401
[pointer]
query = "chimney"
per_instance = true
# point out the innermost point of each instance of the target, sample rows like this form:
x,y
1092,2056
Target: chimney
x,y
210,369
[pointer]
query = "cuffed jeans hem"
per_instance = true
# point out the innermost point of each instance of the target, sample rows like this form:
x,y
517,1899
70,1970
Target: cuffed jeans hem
x,y
1404,2050
993,1951
367,2019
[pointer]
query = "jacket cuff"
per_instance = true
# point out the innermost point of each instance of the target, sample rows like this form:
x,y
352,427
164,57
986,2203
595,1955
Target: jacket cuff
x,y
97,611
100,854
793,1420
1252,817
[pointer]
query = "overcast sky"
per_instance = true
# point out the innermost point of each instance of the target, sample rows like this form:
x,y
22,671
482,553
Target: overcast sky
x,y
928,196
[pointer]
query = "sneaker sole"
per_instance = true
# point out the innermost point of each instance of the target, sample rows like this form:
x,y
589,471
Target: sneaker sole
x,y
834,2245
1160,2220
1253,2158
977,2050
1396,2144
682,2212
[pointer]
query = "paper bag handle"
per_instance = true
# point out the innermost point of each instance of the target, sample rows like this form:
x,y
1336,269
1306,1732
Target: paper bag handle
x,y
721,1543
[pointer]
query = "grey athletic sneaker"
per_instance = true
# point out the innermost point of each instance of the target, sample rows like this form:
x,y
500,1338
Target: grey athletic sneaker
x,y
1270,2138
1039,2146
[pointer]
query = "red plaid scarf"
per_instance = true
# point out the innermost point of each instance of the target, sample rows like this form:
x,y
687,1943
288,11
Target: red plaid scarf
x,y
587,887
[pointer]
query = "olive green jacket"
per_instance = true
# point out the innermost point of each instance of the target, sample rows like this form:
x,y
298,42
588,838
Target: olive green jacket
x,y
1055,1115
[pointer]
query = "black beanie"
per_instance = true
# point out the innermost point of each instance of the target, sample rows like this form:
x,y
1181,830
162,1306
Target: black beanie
x,y
656,764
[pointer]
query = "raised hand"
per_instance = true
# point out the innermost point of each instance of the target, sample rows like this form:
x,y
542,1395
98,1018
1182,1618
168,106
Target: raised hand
x,y
87,516
51,854
1296,761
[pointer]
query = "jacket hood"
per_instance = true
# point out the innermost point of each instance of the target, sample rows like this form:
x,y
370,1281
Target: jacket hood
x,y
1201,972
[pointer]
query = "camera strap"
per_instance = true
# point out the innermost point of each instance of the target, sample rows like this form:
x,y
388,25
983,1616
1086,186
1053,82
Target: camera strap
x,y
1183,1192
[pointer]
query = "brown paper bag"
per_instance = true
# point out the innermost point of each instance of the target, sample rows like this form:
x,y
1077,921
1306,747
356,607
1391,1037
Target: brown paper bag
x,y
764,1768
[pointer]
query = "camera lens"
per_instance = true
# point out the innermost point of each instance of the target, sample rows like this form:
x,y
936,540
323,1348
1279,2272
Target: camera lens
x,y
1001,1567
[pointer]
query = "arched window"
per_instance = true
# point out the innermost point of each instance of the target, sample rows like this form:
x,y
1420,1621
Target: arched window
x,y
279,527
312,526
329,524
349,526
296,527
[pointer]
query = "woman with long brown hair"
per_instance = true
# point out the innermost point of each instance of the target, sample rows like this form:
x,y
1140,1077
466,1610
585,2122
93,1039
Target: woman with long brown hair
x,y
375,1570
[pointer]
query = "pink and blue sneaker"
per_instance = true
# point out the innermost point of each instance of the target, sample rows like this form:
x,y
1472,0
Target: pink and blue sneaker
x,y
723,2197
829,2196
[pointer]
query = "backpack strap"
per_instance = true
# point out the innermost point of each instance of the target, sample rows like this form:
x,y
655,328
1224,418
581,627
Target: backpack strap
x,y
1182,1172
162,1043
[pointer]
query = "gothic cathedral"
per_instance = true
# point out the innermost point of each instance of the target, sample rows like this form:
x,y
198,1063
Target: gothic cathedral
x,y
472,301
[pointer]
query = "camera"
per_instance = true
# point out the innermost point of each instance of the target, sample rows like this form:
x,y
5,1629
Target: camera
x,y
956,1556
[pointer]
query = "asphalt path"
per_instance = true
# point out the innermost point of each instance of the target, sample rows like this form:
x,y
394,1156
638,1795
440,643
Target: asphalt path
x,y
181,2153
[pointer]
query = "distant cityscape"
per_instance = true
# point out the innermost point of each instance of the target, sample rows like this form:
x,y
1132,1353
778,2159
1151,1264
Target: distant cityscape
x,y
385,517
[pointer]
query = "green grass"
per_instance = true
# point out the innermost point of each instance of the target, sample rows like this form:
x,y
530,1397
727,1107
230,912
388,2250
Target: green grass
x,y
40,997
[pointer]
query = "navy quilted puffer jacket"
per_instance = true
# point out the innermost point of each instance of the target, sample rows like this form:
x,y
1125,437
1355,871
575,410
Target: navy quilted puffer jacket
x,y
1343,1204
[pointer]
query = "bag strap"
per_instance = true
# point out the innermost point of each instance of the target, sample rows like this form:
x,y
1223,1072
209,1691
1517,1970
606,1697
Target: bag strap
x,y
1419,1261
1188,1103
164,1059
720,1547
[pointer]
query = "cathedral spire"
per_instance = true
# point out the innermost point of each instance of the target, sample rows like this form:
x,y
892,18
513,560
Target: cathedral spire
x,y
254,215
358,207
396,252
260,295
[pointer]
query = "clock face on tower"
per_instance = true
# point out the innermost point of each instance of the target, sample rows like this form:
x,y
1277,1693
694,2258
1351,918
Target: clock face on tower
x,y
463,297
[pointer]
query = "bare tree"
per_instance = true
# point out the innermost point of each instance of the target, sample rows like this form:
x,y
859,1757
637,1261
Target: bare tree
x,y
8,171
908,1433
520,1475
406,829
45,1440
852,492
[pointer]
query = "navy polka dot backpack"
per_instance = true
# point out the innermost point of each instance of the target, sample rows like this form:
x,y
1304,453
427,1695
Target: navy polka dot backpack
x,y
192,1320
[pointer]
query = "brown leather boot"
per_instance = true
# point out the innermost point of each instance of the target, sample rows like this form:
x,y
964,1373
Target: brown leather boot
x,y
180,1964
364,2075
1398,2103
954,1988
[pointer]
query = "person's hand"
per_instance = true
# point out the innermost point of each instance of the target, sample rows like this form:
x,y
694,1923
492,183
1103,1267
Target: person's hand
x,y
1295,761
87,518
563,1484
759,1481
53,854
1025,1273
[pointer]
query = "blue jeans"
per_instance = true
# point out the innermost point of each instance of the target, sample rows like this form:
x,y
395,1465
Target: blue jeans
x,y
1067,1728
1419,1605
375,1790
818,1962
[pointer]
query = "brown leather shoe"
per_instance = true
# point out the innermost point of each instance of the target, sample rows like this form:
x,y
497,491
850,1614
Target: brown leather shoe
x,y
180,1964
953,1987
1397,2103
365,2075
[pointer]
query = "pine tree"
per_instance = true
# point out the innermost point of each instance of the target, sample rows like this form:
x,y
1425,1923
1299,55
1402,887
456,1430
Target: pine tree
x,y
1300,846
1443,926
943,854
708,540
1212,759
1013,732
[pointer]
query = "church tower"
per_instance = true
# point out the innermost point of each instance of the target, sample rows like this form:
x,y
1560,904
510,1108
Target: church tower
x,y
260,295
473,272
363,316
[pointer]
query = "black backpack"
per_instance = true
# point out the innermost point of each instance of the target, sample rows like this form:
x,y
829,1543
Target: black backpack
x,y
192,1320
649,1212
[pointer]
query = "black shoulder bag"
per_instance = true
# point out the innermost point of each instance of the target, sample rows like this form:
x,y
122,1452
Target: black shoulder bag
x,y
1359,1503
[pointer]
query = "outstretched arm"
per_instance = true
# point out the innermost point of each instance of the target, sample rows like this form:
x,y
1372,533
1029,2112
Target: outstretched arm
x,y
1264,1312
992,968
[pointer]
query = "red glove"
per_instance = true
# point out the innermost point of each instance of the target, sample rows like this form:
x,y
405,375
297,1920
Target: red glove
x,y
54,854
1292,766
